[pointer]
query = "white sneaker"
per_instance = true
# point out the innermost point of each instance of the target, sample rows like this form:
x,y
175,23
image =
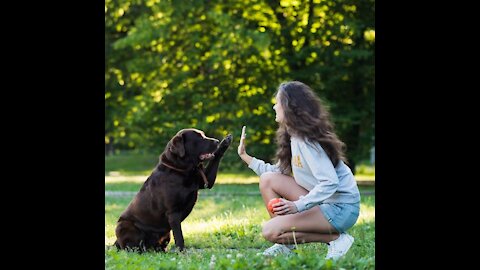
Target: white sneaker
x,y
278,249
339,247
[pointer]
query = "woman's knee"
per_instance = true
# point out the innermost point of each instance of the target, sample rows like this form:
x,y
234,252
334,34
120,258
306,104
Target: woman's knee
x,y
266,180
270,233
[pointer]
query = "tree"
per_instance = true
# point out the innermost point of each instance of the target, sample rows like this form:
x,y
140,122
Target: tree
x,y
215,65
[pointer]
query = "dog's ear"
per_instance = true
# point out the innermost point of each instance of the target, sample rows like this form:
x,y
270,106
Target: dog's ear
x,y
177,146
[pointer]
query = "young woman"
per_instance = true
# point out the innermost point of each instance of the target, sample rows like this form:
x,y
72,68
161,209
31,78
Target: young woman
x,y
320,198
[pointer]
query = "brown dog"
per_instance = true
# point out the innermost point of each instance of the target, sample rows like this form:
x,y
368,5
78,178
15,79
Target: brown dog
x,y
167,197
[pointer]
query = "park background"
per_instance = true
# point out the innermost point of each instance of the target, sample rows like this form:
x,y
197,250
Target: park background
x,y
215,66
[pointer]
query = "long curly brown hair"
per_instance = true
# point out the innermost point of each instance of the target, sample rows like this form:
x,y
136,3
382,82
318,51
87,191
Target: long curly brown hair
x,y
307,118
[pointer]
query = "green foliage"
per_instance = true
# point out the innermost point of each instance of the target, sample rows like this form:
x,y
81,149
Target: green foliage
x,y
215,65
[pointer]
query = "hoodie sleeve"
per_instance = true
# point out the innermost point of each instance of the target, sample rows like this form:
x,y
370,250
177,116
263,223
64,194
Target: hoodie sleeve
x,y
323,173
260,167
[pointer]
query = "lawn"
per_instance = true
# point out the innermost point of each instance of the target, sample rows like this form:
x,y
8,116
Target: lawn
x,y
224,230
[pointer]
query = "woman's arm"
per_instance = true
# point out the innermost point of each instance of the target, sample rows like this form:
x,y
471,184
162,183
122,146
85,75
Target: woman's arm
x,y
324,177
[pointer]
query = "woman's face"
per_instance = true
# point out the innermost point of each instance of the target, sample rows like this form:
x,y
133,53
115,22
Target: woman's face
x,y
278,109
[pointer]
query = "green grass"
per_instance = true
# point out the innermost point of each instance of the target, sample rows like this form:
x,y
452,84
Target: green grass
x,y
222,185
130,163
224,232
224,229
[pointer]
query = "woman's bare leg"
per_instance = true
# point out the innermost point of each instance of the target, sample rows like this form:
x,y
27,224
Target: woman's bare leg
x,y
275,185
309,226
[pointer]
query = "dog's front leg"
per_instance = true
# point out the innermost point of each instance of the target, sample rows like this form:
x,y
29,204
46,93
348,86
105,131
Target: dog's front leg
x,y
212,167
174,219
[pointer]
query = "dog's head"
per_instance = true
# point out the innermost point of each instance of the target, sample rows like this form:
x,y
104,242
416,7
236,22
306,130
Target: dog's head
x,y
190,146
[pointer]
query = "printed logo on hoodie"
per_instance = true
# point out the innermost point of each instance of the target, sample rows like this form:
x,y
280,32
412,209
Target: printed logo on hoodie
x,y
296,161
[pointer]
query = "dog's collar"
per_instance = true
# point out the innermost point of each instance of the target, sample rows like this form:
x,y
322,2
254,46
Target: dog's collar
x,y
200,169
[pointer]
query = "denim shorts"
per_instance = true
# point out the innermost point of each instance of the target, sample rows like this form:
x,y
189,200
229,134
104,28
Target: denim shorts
x,y
342,216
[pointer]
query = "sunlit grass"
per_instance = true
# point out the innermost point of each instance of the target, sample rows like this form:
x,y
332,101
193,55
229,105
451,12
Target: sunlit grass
x,y
213,217
244,178
227,178
133,182
367,210
365,177
224,231
230,178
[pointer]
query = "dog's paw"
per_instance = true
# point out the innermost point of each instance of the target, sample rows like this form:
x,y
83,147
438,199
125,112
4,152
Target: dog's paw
x,y
227,141
223,145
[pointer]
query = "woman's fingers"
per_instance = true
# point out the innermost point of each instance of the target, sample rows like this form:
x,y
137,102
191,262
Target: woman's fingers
x,y
242,138
279,207
284,207
241,146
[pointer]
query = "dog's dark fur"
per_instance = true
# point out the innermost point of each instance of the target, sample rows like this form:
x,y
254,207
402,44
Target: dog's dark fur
x,y
167,197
